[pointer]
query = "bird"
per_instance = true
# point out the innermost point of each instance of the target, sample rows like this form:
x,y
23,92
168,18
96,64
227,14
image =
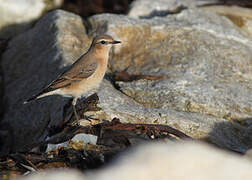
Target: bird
x,y
84,75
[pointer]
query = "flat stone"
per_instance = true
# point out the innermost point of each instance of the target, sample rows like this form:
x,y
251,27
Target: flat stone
x,y
85,138
81,138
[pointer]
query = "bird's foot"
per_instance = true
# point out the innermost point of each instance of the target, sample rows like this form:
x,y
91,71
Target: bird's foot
x,y
86,121
90,118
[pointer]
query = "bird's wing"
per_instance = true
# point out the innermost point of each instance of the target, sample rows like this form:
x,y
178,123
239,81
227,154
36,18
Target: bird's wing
x,y
77,72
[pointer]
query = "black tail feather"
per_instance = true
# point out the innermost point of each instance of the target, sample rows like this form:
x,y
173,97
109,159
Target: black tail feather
x,y
34,97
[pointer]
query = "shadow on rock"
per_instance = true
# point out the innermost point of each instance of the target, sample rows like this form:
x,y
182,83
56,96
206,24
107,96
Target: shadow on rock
x,y
38,61
12,30
232,136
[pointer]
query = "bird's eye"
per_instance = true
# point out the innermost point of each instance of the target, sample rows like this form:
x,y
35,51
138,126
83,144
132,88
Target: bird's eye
x,y
103,42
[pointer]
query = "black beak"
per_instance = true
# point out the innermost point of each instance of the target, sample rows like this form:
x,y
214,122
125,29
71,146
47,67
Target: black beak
x,y
116,42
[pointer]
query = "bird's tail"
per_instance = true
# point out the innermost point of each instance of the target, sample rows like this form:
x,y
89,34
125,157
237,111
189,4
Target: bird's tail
x,y
38,96
30,99
34,97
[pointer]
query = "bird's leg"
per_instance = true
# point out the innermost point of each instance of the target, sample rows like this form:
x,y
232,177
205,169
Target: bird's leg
x,y
74,109
76,122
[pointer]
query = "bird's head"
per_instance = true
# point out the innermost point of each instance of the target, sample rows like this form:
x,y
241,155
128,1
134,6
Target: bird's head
x,y
103,42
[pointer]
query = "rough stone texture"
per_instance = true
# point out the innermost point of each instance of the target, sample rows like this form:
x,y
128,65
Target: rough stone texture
x,y
198,125
164,161
160,42
205,57
3,132
31,61
3,45
208,64
149,8
242,17
16,16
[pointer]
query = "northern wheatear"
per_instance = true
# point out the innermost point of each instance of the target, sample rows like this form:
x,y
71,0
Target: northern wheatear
x,y
84,75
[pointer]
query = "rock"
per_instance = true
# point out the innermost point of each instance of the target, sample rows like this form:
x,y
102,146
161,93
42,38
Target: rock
x,y
31,61
149,8
198,125
85,138
178,161
17,16
79,140
4,132
242,17
207,61
141,36
3,45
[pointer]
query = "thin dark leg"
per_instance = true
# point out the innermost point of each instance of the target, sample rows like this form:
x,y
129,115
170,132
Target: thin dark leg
x,y
74,109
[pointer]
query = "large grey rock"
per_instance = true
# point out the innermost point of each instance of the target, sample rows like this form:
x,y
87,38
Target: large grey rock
x,y
16,16
164,161
207,61
31,61
160,42
148,9
198,125
176,161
